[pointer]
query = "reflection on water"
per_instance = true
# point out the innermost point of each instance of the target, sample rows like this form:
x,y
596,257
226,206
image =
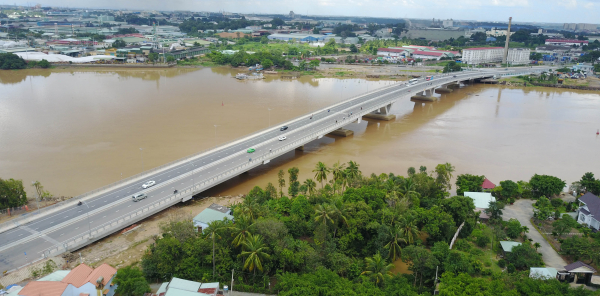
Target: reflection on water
x,y
76,129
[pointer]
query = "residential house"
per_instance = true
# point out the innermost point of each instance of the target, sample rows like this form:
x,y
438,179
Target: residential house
x,y
507,246
481,200
589,211
181,287
578,272
543,273
487,185
82,280
214,212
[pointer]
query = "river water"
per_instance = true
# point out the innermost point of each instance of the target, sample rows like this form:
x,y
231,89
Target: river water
x,y
75,130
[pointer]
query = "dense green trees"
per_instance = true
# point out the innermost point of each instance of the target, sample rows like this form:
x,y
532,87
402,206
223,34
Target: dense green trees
x,y
130,281
10,61
342,237
589,183
12,194
468,183
544,185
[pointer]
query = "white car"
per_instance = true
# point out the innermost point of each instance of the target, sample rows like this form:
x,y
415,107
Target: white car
x,y
148,184
282,138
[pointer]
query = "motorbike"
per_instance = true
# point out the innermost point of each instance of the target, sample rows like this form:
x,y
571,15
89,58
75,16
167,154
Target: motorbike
x,y
79,203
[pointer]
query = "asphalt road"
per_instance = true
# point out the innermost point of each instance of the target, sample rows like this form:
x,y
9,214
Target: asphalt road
x,y
118,202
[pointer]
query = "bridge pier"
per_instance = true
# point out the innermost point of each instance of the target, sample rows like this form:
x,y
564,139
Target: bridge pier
x,y
301,148
426,95
443,89
342,132
382,114
453,85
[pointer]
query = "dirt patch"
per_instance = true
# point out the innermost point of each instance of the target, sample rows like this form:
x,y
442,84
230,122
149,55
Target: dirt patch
x,y
121,250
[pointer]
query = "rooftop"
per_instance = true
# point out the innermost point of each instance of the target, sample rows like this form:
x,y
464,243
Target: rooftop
x,y
508,245
487,184
567,40
543,273
77,277
579,267
480,199
36,288
482,48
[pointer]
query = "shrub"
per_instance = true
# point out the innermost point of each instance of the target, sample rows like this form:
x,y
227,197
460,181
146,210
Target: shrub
x,y
462,245
511,268
501,263
556,202
486,271
482,241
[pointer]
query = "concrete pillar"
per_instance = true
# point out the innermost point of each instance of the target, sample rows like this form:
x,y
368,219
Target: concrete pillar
x,y
429,92
342,132
382,114
443,90
301,148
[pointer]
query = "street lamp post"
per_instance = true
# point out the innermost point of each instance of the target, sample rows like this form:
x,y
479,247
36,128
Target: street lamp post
x,y
88,219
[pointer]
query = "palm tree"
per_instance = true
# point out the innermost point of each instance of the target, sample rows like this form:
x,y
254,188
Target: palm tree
x,y
340,212
394,244
241,230
409,229
256,252
408,189
310,186
378,268
352,171
338,171
321,171
212,231
324,214
537,245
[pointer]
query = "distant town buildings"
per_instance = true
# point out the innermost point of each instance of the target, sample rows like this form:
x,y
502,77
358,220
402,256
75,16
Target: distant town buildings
x,y
580,27
497,33
448,23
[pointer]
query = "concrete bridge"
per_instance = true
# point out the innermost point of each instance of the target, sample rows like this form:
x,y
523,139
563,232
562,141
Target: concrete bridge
x,y
67,226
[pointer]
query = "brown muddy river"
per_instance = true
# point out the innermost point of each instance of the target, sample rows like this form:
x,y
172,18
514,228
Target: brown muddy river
x,y
77,130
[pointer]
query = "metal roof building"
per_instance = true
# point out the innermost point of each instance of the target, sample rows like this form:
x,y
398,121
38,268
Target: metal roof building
x,y
297,37
214,212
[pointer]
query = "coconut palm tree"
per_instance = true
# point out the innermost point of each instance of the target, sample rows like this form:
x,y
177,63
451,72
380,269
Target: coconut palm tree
x,y
324,214
340,213
241,230
256,252
337,171
212,231
310,186
408,188
396,237
352,171
321,171
409,229
378,269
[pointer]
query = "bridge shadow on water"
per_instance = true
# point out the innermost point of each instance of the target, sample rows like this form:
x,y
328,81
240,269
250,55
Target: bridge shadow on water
x,y
369,134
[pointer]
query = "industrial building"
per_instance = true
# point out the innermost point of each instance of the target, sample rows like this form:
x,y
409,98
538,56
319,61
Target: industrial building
x,y
481,55
298,37
566,42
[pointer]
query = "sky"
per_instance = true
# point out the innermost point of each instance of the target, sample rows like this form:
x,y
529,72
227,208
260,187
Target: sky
x,y
552,11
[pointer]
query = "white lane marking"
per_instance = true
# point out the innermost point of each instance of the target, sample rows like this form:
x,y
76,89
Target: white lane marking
x,y
103,216
117,211
61,234
76,228
129,206
20,234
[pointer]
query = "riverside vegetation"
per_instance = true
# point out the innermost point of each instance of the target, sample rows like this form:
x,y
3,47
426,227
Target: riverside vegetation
x,y
339,232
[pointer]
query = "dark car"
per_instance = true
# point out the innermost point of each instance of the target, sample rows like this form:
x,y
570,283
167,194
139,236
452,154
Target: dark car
x,y
283,128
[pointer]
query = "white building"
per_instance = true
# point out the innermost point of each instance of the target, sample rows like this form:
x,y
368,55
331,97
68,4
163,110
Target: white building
x,y
392,52
448,23
589,211
480,55
518,56
497,33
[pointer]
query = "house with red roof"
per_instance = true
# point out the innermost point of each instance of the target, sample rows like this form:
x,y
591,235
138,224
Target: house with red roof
x,y
487,185
82,280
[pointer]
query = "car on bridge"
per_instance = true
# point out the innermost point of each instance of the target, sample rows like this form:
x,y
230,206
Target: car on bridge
x,y
282,138
283,128
251,150
139,196
148,184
